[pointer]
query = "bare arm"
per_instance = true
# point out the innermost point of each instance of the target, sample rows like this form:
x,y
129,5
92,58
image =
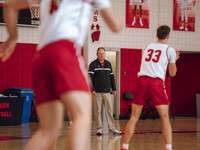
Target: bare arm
x,y
10,14
113,22
172,66
172,69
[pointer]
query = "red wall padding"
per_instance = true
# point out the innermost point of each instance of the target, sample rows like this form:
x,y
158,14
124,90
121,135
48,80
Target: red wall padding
x,y
17,70
130,66
185,84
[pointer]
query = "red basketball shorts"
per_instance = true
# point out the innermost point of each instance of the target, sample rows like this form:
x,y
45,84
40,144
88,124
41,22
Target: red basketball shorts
x,y
150,87
57,69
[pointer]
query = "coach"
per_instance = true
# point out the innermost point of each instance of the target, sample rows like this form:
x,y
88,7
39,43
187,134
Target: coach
x,y
102,78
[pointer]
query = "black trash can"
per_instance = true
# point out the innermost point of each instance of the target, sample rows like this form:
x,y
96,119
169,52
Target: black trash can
x,y
28,94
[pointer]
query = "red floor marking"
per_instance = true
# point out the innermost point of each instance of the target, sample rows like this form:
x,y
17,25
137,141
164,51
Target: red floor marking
x,y
6,138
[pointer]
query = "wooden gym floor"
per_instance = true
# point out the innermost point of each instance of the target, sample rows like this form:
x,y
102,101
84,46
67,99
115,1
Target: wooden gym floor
x,y
186,135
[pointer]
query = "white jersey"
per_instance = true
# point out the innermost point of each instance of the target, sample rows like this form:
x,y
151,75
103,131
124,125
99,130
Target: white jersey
x,y
184,4
138,1
70,21
155,58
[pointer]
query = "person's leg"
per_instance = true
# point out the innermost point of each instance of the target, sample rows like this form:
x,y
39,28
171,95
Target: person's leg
x,y
134,15
79,104
163,111
158,94
109,110
141,23
97,110
130,126
182,19
186,19
50,117
135,9
182,15
140,11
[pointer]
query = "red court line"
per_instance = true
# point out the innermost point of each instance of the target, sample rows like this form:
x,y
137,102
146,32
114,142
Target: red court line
x,y
6,138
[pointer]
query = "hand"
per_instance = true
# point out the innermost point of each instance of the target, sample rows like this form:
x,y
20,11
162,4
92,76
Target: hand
x,y
93,93
7,48
114,93
177,54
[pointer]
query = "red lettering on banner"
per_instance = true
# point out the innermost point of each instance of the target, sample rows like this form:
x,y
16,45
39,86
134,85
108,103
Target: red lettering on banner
x,y
9,114
4,105
96,12
92,26
6,114
95,36
95,19
97,27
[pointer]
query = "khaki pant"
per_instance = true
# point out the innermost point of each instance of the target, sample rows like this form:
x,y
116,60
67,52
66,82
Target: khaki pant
x,y
105,99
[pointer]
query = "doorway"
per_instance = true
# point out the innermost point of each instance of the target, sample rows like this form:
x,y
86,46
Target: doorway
x,y
113,56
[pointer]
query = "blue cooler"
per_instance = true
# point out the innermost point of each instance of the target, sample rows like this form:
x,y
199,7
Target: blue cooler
x,y
28,94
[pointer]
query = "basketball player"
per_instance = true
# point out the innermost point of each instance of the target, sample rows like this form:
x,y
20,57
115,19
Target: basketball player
x,y
155,58
137,3
184,13
57,83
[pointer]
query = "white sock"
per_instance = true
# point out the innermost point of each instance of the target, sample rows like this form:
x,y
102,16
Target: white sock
x,y
125,146
168,146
